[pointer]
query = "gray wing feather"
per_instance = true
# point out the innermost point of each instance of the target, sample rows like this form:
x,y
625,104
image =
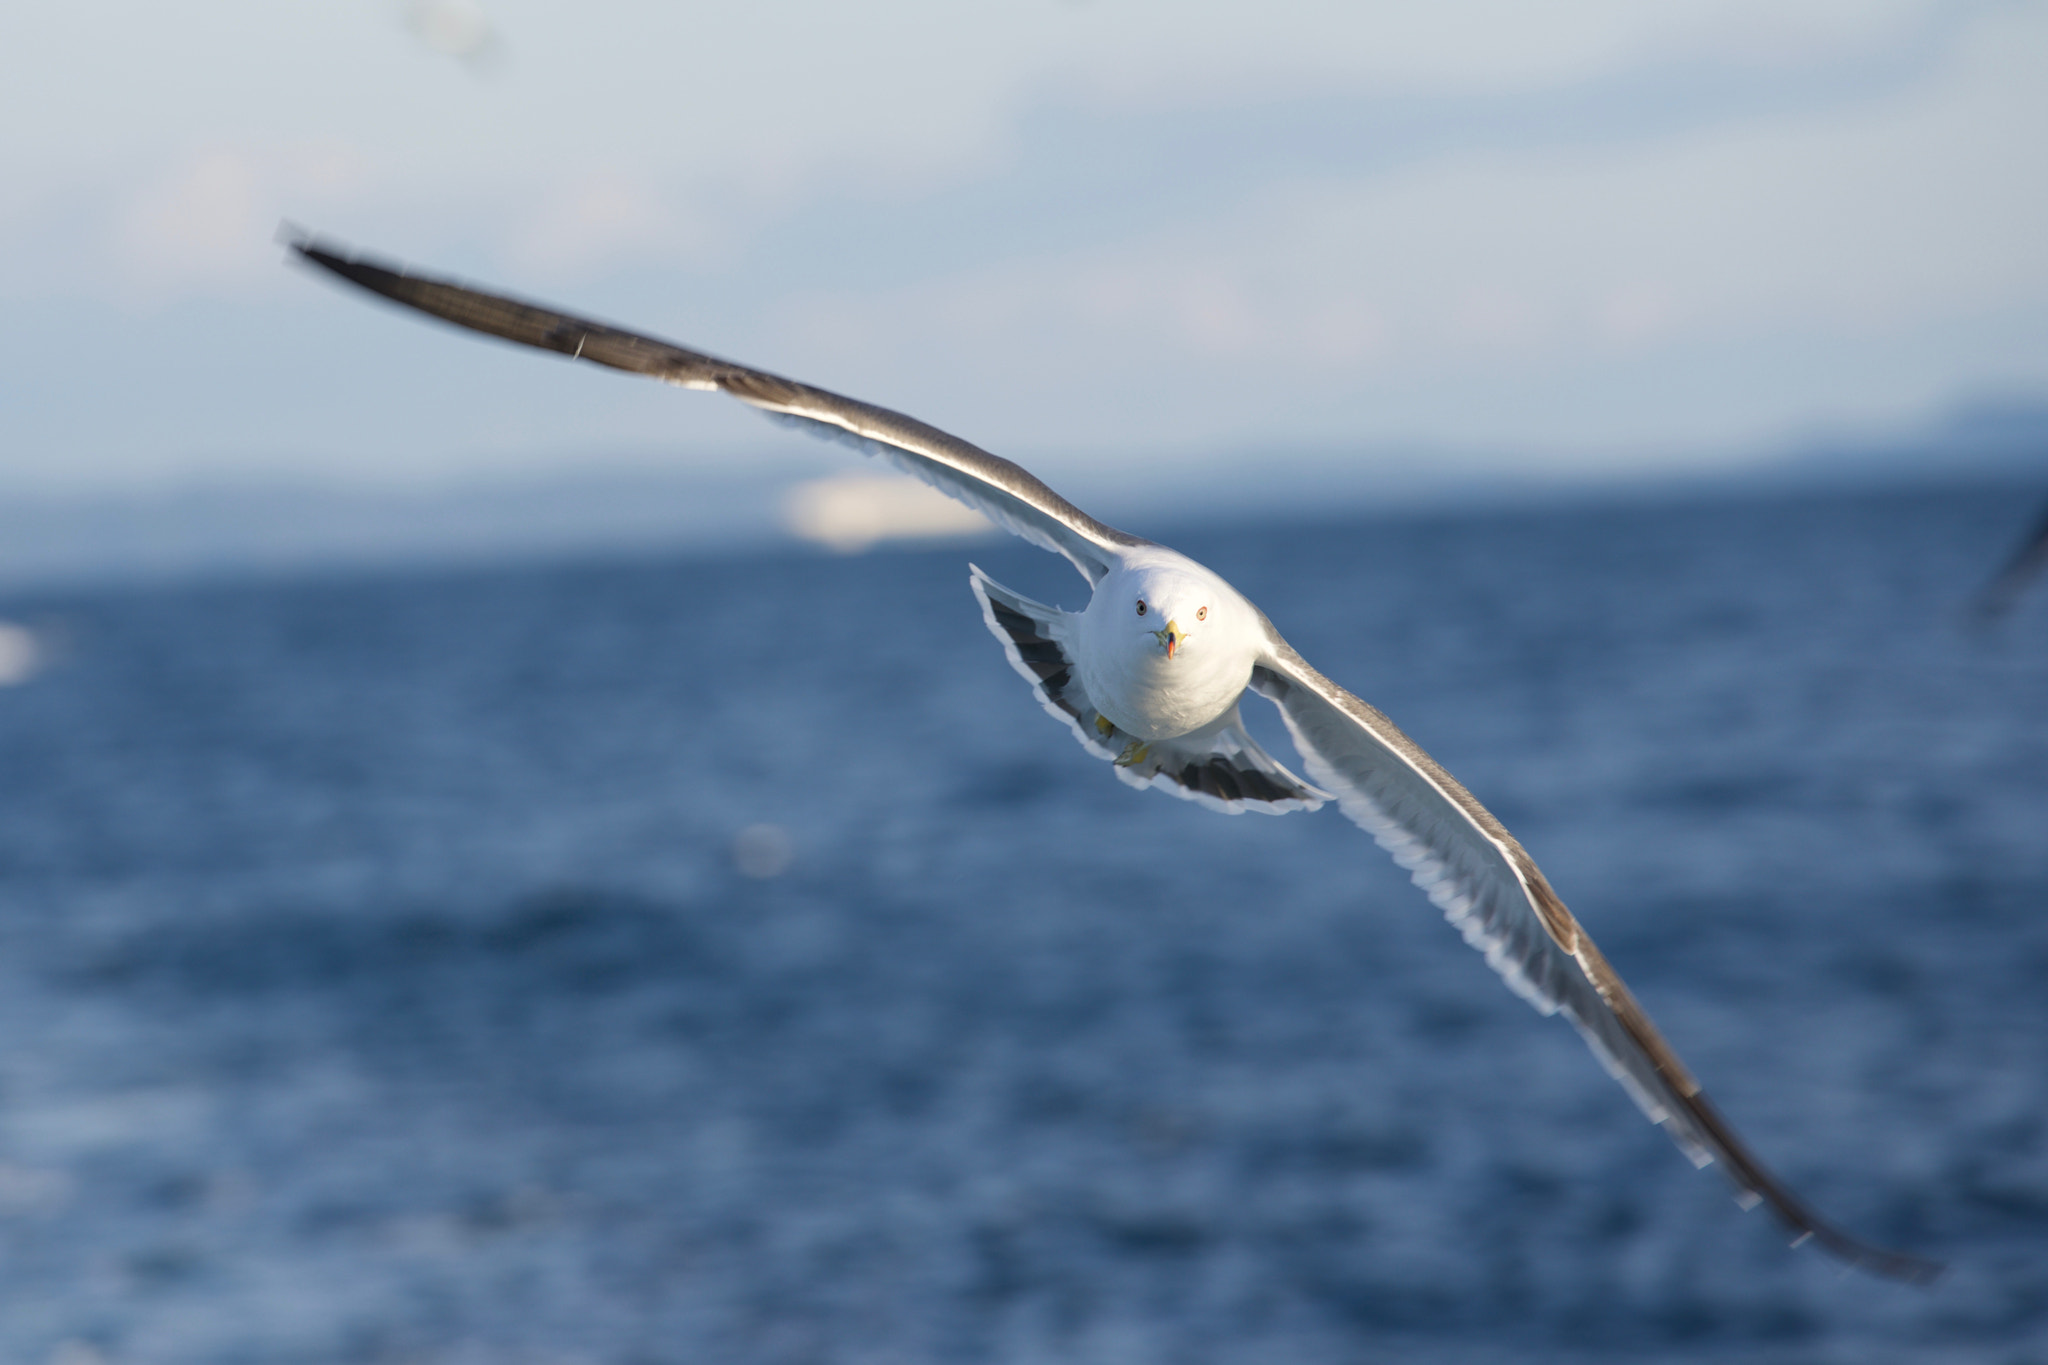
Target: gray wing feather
x,y
1489,887
1006,493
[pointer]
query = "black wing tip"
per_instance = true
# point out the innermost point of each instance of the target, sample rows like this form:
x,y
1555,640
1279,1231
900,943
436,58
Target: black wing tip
x,y
1890,1265
311,246
338,258
1755,1184
1851,1252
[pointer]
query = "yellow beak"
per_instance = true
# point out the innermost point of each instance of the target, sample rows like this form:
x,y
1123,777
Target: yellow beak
x,y
1170,636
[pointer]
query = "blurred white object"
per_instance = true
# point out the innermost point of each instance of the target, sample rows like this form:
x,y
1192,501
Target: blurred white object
x,y
763,851
459,28
851,512
20,655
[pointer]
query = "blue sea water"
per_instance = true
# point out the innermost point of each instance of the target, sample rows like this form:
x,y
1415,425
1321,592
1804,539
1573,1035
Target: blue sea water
x,y
377,982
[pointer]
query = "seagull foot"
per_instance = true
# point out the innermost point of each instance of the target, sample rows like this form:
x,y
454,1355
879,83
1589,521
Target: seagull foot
x,y
1134,752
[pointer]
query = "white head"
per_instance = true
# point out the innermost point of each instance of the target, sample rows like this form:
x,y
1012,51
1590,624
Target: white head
x,y
1171,645
1171,608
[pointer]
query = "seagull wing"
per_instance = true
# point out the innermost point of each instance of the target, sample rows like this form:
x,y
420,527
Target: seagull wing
x,y
1487,886
1005,493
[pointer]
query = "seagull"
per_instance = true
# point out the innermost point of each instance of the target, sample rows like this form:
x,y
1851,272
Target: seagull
x,y
1151,675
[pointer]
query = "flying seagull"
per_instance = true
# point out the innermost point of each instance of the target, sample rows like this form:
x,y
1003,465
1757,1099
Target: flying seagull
x,y
1150,677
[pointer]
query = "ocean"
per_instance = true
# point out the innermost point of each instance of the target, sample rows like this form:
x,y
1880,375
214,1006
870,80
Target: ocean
x,y
722,958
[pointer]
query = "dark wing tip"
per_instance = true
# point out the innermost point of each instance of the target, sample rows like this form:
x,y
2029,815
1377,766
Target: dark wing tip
x,y
1892,1265
1806,1227
337,259
502,315
1750,1176
309,245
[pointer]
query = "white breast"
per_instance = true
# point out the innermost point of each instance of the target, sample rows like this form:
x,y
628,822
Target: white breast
x,y
1127,673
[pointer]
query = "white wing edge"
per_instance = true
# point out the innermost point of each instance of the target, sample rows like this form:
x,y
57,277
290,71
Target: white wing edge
x,y
985,591
1236,740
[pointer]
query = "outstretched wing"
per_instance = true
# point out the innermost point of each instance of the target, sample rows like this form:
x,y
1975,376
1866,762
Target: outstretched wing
x,y
1004,492
1487,886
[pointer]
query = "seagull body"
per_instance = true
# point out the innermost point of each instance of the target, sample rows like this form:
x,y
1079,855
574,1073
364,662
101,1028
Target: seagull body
x,y
1151,675
1164,649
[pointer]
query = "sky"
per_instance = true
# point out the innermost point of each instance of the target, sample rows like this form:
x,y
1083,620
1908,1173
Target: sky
x,y
1089,234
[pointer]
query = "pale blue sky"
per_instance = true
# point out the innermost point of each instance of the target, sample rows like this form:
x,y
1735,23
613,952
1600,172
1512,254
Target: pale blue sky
x,y
1587,234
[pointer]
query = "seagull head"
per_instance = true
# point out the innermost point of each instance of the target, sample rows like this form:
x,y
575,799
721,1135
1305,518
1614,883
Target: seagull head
x,y
1162,620
1168,612
1166,647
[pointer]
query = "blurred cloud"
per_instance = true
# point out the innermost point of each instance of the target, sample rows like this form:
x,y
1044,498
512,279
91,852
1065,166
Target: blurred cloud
x,y
853,512
197,220
192,224
1639,313
455,28
1762,32
1116,228
21,656
597,217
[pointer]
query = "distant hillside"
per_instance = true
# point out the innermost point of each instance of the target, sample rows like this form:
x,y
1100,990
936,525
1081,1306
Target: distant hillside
x,y
210,528
1990,437
254,526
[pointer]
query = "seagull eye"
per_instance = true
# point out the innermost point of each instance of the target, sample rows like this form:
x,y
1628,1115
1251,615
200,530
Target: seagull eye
x,y
1201,613
1141,606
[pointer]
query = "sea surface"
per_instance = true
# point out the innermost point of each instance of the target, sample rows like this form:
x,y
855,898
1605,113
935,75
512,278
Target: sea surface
x,y
382,979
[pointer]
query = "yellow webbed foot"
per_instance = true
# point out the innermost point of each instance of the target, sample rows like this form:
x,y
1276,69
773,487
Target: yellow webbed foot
x,y
1134,752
